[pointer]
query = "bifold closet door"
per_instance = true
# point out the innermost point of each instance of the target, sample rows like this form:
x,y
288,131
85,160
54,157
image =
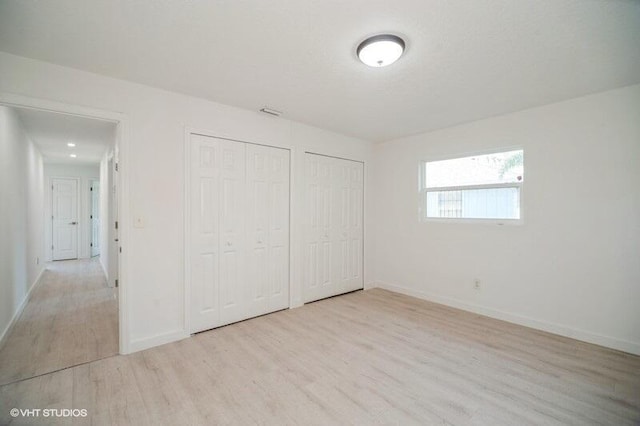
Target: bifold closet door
x,y
267,228
334,230
239,231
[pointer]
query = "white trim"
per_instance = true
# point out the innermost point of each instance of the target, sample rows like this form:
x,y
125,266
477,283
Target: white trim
x,y
124,201
91,194
295,295
160,339
186,154
18,311
423,190
562,330
474,186
475,221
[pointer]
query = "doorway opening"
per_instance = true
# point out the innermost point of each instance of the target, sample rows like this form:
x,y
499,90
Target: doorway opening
x,y
71,314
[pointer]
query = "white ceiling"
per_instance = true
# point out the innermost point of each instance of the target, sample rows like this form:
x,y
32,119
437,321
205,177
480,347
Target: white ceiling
x,y
52,131
465,60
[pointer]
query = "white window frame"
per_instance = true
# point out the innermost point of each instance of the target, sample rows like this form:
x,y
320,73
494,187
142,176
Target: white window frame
x,y
423,190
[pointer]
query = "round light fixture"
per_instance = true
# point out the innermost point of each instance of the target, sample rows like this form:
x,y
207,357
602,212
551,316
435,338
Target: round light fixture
x,y
380,50
71,144
72,155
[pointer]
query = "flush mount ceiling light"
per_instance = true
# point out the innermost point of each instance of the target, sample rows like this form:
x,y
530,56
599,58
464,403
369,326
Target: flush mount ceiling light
x,y
380,50
71,144
72,155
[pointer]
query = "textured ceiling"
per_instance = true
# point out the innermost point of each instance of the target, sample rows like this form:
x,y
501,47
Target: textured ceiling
x,y
465,60
52,131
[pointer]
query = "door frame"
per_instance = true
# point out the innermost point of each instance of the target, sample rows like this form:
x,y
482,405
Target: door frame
x,y
122,144
78,212
91,219
187,214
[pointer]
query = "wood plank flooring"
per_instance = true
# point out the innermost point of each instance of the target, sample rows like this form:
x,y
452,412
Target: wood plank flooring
x,y
372,357
71,318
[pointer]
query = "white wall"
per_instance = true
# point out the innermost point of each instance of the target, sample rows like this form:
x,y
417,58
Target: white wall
x,y
85,173
154,160
21,217
573,267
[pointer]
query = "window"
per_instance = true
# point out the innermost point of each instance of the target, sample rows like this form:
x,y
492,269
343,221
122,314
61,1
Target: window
x,y
484,186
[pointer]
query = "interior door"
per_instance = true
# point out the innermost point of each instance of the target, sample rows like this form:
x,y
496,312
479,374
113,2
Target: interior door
x,y
64,199
95,218
334,229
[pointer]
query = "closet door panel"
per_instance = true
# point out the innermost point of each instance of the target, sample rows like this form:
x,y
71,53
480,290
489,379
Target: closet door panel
x,y
204,229
232,229
278,237
257,227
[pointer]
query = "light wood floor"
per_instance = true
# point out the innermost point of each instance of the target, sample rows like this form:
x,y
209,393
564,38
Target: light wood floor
x,y
71,318
372,357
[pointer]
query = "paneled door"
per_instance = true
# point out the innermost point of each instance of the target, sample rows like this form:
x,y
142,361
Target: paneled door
x,y
204,261
333,257
233,209
239,231
268,228
64,208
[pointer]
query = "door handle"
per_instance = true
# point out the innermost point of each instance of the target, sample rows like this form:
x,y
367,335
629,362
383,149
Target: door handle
x,y
73,223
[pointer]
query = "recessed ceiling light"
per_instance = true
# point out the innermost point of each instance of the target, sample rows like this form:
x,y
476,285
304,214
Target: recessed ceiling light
x,y
380,50
72,155
71,144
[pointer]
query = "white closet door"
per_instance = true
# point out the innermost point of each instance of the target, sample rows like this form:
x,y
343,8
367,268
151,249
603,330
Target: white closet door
x,y
205,232
319,247
233,291
239,238
268,228
355,227
334,231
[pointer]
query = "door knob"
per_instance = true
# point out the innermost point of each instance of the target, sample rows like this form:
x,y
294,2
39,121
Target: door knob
x,y
73,223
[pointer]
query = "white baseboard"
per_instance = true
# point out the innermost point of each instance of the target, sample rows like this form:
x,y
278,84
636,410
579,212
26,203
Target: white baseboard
x,y
160,339
585,336
18,311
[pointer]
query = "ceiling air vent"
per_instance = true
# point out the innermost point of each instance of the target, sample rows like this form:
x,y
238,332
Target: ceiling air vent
x,y
271,111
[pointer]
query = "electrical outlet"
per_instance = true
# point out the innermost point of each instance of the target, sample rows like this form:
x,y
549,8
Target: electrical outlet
x,y
476,284
139,222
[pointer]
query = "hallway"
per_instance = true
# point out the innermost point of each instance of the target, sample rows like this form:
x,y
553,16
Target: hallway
x,y
70,319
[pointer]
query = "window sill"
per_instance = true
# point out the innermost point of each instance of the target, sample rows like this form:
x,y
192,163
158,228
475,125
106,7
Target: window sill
x,y
457,220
